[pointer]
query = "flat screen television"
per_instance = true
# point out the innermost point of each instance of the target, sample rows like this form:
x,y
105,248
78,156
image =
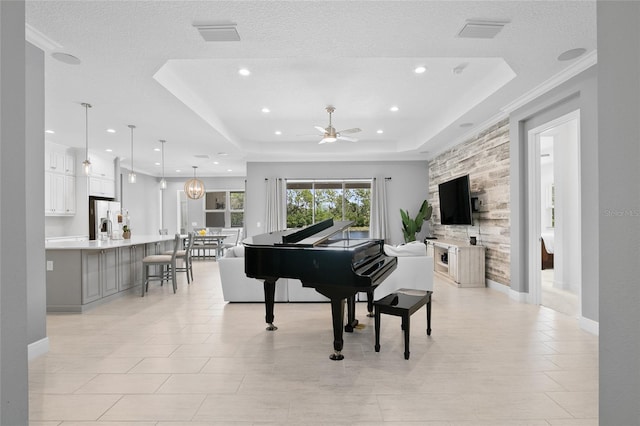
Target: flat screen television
x,y
455,202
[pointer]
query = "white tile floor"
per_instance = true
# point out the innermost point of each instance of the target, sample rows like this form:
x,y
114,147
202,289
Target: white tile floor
x,y
191,359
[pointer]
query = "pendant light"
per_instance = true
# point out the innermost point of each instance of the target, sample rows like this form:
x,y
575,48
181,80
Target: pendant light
x,y
86,164
132,174
194,188
163,181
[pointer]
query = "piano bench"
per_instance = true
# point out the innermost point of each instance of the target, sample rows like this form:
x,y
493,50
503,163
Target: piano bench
x,y
402,303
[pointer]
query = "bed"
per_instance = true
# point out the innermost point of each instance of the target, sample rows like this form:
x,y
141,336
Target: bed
x,y
546,243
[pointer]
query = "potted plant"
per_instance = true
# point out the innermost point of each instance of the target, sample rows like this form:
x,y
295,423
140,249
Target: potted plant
x,y
410,227
126,232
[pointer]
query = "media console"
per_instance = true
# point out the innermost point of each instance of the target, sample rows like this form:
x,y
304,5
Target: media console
x,y
459,262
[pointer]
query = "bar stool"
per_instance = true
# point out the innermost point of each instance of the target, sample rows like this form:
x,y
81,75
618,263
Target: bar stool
x,y
185,256
166,270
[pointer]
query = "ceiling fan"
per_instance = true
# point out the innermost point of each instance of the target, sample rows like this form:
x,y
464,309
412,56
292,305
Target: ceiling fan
x,y
330,135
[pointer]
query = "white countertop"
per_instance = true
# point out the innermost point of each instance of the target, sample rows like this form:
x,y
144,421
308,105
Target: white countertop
x,y
108,244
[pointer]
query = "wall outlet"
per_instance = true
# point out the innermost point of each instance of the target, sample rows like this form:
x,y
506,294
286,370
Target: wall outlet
x,y
49,265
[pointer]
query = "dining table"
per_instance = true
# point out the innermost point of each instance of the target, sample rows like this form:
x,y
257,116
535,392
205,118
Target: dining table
x,y
203,244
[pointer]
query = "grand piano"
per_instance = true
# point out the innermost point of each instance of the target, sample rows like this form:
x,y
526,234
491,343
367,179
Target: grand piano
x,y
324,258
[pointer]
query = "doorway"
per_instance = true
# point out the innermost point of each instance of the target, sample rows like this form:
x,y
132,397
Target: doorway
x,y
554,215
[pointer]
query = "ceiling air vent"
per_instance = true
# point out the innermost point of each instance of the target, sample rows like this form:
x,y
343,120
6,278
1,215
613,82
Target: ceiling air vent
x,y
481,29
202,156
218,31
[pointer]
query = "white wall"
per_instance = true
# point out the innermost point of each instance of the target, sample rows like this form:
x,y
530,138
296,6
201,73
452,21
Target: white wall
x,y
142,200
408,187
546,180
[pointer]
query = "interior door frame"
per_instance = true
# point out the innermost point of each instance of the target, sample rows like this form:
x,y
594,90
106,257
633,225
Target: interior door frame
x,y
534,202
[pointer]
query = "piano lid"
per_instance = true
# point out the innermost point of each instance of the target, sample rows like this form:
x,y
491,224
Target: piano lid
x,y
309,236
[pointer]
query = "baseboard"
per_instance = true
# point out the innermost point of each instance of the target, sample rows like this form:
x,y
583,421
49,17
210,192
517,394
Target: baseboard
x,y
590,325
494,285
38,348
518,297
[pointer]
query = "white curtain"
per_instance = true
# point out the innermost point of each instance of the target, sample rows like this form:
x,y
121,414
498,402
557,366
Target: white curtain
x,y
276,211
378,224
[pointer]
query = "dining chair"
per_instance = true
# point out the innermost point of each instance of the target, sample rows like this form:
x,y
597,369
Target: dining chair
x,y
166,264
185,255
231,241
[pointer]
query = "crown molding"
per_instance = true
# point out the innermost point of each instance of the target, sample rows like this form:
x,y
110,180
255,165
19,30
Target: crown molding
x,y
571,71
40,40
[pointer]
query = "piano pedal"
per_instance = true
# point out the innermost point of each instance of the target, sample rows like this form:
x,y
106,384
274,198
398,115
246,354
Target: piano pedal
x,y
271,327
336,356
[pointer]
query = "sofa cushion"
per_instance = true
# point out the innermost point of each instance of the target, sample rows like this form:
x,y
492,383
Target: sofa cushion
x,y
235,251
414,248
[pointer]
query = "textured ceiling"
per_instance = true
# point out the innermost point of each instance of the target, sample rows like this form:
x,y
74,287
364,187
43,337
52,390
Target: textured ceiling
x,y
144,63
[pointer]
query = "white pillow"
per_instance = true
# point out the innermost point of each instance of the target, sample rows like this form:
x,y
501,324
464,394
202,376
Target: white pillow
x,y
414,248
238,251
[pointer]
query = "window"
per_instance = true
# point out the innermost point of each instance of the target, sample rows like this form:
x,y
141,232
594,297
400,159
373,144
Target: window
x,y
309,202
224,209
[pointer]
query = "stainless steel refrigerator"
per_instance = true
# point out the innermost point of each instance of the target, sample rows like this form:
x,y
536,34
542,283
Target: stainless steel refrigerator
x,y
103,215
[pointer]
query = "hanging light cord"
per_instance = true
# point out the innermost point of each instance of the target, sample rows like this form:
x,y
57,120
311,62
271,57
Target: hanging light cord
x,y
162,142
131,126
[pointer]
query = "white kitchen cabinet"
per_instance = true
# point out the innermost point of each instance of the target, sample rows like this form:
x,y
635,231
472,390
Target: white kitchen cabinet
x,y
102,167
101,187
59,181
54,156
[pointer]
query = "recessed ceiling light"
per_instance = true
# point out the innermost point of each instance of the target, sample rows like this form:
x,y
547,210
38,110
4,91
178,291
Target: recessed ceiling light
x,y
66,58
108,150
111,131
157,164
278,132
177,170
571,54
266,110
380,131
156,149
420,70
229,170
216,162
463,125
243,71
49,131
394,108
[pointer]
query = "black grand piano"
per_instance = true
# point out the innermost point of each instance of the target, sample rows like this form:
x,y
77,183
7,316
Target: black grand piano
x,y
322,258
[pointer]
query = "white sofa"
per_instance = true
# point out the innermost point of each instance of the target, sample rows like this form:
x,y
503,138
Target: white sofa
x,y
414,270
237,287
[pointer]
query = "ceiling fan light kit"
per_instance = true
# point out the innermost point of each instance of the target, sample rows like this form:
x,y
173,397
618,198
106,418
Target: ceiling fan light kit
x,y
329,133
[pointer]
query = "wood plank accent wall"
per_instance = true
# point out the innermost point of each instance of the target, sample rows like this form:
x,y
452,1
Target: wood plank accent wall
x,y
485,159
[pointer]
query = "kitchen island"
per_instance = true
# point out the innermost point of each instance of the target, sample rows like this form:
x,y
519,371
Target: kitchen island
x,y
83,274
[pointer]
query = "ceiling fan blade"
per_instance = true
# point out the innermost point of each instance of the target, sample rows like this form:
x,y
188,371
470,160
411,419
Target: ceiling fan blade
x,y
320,129
323,140
354,130
347,138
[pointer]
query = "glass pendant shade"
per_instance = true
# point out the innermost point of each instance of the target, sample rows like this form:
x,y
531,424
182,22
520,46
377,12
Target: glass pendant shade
x,y
163,183
86,164
194,188
132,174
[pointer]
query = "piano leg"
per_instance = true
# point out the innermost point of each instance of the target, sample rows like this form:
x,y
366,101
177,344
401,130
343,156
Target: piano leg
x,y
269,301
352,322
337,313
370,304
